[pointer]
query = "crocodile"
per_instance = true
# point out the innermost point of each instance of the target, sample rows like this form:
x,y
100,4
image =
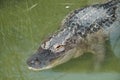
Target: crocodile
x,y
83,30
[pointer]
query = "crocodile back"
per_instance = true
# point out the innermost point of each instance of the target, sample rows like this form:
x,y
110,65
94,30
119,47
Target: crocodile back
x,y
91,19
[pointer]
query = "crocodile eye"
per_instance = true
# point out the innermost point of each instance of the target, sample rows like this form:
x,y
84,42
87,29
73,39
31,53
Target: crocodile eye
x,y
59,48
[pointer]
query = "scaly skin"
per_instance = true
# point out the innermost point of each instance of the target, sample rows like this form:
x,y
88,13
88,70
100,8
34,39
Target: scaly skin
x,y
83,30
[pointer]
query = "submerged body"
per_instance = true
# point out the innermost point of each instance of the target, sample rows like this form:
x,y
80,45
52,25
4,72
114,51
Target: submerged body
x,y
84,30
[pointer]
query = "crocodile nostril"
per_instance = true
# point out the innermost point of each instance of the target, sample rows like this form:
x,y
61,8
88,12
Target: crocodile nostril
x,y
37,61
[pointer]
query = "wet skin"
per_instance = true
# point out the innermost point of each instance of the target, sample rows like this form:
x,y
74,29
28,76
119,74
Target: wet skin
x,y
81,31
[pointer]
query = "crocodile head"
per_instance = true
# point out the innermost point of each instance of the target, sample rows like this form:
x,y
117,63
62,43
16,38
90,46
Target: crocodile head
x,y
56,50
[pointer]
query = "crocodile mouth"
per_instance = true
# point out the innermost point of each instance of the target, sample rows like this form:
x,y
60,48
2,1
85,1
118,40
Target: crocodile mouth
x,y
48,64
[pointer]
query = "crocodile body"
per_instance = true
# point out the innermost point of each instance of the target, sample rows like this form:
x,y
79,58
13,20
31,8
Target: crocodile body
x,y
83,30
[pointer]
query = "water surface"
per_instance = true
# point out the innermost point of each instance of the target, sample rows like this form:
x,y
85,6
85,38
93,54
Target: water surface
x,y
25,23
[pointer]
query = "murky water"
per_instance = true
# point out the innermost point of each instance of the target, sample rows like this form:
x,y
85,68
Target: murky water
x,y
25,23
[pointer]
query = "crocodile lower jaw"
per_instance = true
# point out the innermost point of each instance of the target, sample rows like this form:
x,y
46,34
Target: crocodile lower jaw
x,y
38,69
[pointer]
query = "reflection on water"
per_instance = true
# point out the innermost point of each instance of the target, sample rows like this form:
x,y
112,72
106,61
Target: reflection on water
x,y
24,23
86,76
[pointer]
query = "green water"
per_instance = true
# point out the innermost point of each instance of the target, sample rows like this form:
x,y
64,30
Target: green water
x,y
25,23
